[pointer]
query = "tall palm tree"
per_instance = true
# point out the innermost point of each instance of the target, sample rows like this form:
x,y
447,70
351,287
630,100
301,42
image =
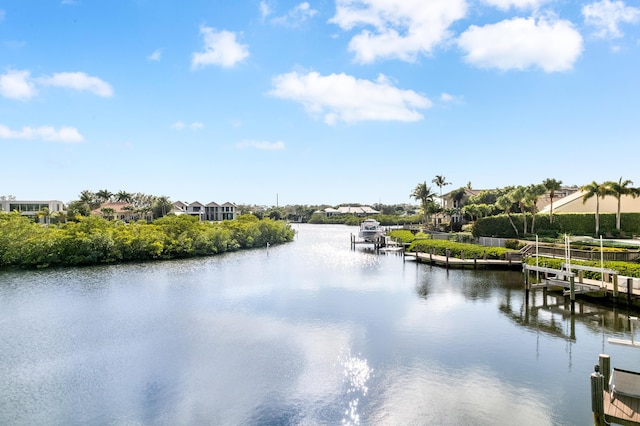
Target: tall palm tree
x,y
504,203
440,182
533,194
598,190
518,197
89,199
423,193
552,186
618,189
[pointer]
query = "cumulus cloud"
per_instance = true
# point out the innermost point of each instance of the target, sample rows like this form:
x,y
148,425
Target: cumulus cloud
x,y
397,30
516,4
155,56
45,133
78,81
179,125
17,85
606,16
262,145
522,43
296,16
220,48
341,97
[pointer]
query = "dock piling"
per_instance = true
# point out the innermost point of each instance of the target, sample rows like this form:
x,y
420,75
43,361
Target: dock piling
x,y
597,396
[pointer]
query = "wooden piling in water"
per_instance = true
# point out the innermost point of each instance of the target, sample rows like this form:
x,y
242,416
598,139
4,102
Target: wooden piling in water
x,y
597,396
604,361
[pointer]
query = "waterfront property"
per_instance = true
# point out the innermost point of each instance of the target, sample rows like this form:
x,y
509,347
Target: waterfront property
x,y
31,208
309,332
210,212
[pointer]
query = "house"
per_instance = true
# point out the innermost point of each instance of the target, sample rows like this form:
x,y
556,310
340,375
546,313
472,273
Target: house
x,y
360,211
122,211
31,208
609,204
210,212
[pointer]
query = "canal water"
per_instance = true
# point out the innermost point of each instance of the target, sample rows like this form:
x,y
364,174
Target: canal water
x,y
307,333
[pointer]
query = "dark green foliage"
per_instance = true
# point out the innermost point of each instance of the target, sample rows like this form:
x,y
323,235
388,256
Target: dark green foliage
x,y
563,223
456,249
94,240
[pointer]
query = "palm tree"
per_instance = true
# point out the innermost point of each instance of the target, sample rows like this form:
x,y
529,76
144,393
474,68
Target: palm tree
x,y
552,186
533,194
599,190
618,189
46,214
518,196
108,212
90,199
124,196
440,182
423,193
504,203
104,195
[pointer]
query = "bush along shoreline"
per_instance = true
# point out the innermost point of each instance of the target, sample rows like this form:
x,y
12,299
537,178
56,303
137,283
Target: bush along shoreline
x,y
94,240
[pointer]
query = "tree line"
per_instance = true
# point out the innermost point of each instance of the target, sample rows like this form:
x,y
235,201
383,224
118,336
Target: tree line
x,y
91,240
513,199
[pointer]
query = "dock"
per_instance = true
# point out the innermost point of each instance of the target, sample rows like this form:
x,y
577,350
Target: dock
x,y
571,279
514,261
607,403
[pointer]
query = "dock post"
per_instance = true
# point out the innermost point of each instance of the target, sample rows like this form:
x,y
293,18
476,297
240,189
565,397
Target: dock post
x,y
615,287
475,261
597,396
526,281
447,254
629,290
572,290
581,276
605,367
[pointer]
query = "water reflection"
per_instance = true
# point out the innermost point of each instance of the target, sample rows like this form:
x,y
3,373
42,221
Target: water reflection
x,y
312,333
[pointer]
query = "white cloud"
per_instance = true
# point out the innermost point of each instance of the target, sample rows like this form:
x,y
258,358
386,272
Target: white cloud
x,y
296,16
516,4
179,125
262,145
400,29
449,98
17,85
522,43
265,10
45,133
78,81
341,97
220,48
155,56
606,16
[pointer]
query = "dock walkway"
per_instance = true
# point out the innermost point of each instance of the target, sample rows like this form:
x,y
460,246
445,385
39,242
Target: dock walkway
x,y
454,262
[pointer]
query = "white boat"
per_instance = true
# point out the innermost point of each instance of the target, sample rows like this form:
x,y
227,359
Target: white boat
x,y
370,230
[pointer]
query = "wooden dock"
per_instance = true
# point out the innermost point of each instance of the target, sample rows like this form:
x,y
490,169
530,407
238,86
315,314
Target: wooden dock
x,y
619,409
624,410
454,262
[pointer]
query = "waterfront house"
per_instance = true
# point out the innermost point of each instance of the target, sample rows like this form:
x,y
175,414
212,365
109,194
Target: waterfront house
x,y
32,208
211,212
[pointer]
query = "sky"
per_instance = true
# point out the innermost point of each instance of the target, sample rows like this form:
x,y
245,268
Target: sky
x,y
318,102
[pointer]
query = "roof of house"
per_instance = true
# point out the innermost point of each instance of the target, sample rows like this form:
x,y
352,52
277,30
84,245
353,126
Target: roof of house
x,y
573,203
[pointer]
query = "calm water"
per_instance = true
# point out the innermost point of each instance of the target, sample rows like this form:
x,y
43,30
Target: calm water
x,y
303,334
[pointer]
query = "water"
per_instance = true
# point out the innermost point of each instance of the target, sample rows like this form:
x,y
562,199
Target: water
x,y
309,333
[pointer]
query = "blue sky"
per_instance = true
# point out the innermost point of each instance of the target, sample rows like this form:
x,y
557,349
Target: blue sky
x,y
314,102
